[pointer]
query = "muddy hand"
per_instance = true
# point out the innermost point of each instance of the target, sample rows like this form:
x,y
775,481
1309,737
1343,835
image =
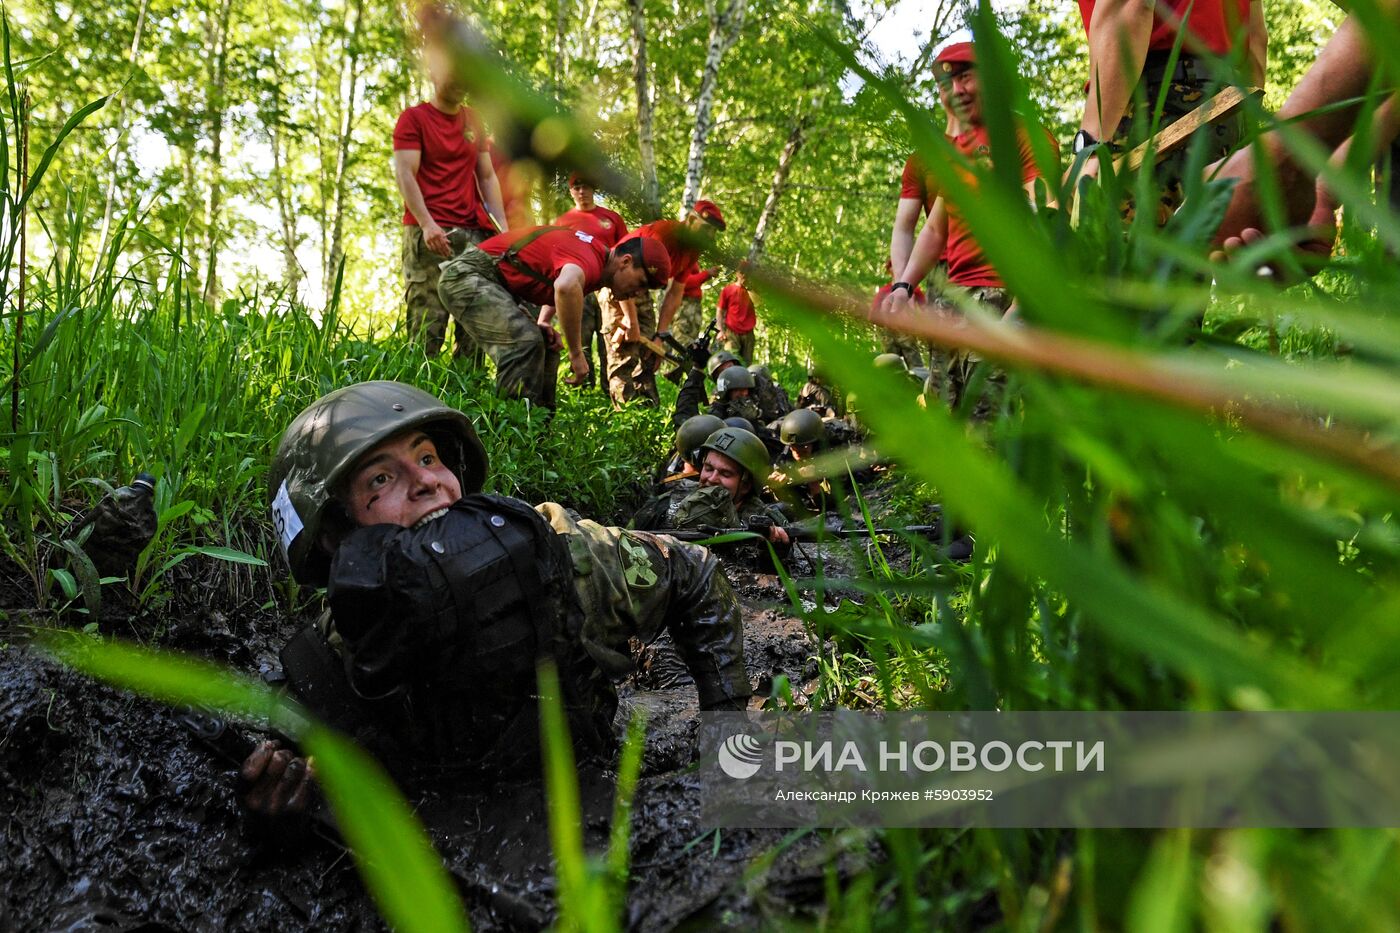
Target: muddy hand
x,y
277,780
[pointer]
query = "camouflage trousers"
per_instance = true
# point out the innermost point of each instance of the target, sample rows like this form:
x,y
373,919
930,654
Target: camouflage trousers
x,y
689,321
741,345
591,331
472,290
951,371
425,315
1185,92
905,346
631,373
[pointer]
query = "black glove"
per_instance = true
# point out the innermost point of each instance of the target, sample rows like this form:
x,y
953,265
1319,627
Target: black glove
x,y
759,524
699,353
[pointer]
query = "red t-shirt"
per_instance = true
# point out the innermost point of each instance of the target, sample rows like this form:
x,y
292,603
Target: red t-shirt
x,y
917,183
447,172
608,226
966,264
695,281
884,290
548,254
684,258
1214,24
737,308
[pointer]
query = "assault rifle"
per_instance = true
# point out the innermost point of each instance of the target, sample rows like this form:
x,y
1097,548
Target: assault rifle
x,y
802,533
685,356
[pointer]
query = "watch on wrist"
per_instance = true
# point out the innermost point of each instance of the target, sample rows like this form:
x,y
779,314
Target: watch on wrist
x,y
1083,140
904,285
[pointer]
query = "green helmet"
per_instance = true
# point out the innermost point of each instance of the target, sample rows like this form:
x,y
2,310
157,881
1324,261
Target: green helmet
x,y
693,432
745,449
322,444
743,424
760,370
890,361
718,359
802,426
735,377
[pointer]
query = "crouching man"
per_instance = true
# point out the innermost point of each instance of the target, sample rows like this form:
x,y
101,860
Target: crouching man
x,y
443,600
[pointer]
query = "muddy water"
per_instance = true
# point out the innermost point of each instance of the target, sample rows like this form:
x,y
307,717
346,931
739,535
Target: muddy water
x,y
113,818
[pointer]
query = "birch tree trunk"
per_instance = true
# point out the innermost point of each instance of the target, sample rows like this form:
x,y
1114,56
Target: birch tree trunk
x,y
286,210
726,21
795,139
218,35
118,144
651,193
346,134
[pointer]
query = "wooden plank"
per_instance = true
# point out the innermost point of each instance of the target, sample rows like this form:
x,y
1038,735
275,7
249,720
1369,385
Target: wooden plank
x,y
1173,137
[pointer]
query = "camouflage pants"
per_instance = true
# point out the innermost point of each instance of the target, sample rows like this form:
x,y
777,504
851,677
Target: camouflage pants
x,y
689,321
474,293
741,345
906,346
425,315
591,332
1185,92
950,371
630,373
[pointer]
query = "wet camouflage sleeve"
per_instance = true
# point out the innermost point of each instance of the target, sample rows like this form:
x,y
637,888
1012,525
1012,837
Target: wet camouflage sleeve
x,y
689,399
635,584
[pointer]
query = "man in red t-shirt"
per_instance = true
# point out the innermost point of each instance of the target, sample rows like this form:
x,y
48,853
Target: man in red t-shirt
x,y
1131,44
736,317
631,374
450,192
552,266
609,227
946,234
902,345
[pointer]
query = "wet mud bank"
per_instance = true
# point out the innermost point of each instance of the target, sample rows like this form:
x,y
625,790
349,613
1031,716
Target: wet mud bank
x,y
114,817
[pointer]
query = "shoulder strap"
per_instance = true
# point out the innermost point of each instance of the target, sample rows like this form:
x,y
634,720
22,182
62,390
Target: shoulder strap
x,y
512,255
316,675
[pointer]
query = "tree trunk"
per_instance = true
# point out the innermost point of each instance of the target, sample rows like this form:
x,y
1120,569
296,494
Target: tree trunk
x,y
347,132
795,139
323,181
286,210
651,192
218,36
726,20
118,145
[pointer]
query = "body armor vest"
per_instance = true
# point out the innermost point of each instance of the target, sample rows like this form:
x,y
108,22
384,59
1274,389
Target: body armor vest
x,y
446,624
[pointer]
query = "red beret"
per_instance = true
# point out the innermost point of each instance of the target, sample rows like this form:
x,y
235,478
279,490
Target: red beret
x,y
947,61
651,254
709,212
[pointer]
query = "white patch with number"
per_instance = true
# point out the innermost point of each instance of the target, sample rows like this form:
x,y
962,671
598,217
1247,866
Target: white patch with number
x,y
285,518
585,237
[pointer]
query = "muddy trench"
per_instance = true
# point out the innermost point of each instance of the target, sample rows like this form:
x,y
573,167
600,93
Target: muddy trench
x,y
116,818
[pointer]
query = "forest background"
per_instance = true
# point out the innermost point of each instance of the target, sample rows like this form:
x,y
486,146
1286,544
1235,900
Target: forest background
x,y
254,138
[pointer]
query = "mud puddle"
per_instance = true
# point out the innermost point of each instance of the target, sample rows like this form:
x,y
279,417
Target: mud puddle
x,y
114,818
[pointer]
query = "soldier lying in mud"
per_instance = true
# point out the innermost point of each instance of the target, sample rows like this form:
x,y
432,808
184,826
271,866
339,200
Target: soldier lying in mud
x,y
444,600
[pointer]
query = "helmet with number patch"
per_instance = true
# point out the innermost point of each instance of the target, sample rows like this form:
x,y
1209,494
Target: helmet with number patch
x,y
745,449
321,446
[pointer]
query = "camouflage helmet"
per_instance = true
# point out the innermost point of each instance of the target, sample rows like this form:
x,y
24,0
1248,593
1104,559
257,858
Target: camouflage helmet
x,y
745,449
802,426
323,443
891,361
743,424
760,371
718,359
693,432
735,377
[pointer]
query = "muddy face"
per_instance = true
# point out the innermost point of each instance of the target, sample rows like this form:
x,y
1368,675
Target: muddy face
x,y
401,482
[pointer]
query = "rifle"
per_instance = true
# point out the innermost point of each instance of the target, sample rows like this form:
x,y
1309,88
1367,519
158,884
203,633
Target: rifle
x,y
800,533
700,345
660,350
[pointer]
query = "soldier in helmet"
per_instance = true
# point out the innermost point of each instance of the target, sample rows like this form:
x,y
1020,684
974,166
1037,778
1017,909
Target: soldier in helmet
x,y
734,472
443,600
773,400
736,395
819,395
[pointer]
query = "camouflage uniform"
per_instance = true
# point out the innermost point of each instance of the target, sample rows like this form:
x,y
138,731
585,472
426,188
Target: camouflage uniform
x,y
427,317
689,320
741,344
951,370
591,330
905,346
816,394
773,401
692,507
630,372
473,290
1188,86
691,397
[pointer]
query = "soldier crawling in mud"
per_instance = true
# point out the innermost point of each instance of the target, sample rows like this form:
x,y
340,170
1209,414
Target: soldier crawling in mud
x,y
443,600
736,396
806,435
684,464
772,398
734,471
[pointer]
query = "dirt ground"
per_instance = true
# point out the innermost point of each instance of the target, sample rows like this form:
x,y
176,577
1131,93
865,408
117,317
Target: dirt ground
x,y
114,818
